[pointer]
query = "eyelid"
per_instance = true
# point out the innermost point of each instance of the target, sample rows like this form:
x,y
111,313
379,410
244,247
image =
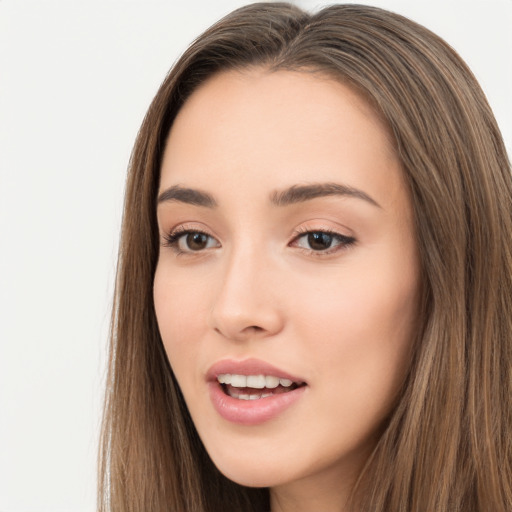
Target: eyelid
x,y
172,237
345,241
186,227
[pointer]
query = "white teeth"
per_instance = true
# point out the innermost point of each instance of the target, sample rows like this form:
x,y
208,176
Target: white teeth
x,y
239,381
253,381
256,381
233,392
224,378
271,382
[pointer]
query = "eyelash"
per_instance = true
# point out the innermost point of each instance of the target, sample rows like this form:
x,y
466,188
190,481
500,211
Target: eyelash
x,y
344,241
172,240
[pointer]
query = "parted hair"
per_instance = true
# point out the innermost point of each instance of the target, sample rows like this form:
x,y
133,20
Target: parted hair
x,y
447,444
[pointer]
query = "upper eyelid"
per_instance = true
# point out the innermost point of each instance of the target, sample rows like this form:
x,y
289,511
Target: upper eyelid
x,y
185,227
171,239
334,234
301,230
180,231
305,228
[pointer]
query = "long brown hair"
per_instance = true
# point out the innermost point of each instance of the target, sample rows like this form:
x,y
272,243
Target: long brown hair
x,y
446,446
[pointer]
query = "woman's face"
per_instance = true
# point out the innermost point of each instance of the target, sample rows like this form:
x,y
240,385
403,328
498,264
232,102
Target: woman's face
x,y
287,254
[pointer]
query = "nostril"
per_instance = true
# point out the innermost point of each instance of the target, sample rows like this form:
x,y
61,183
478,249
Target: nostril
x,y
252,330
243,321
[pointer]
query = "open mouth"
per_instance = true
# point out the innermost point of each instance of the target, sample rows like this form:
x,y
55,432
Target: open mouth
x,y
255,387
251,391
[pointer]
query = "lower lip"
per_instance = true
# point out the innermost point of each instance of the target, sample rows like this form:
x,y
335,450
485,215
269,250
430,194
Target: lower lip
x,y
251,412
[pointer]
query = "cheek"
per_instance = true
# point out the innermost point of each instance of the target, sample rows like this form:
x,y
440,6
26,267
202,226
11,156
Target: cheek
x,y
361,328
179,307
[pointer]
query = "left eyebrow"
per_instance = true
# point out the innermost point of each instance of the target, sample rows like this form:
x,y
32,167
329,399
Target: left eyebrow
x,y
300,193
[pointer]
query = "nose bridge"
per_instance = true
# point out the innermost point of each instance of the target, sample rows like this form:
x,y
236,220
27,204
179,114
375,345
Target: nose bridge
x,y
245,304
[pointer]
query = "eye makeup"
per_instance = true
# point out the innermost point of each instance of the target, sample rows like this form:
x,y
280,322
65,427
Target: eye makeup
x,y
318,242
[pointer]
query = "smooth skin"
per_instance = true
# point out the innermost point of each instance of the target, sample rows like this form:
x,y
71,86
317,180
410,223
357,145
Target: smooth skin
x,y
325,288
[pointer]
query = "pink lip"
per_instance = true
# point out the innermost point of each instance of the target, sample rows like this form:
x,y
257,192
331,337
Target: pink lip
x,y
250,412
248,367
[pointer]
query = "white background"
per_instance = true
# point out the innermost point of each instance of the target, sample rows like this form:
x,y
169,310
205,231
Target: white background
x,y
75,80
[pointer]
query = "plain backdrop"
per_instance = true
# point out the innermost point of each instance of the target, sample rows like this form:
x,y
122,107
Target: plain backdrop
x,y
75,81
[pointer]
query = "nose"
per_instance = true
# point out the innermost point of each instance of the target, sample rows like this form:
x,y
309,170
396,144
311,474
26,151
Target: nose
x,y
247,305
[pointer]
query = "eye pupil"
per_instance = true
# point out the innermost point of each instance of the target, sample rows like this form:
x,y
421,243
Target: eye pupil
x,y
319,241
196,241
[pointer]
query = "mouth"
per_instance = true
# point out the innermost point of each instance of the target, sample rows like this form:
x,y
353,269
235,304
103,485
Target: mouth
x,y
255,387
252,392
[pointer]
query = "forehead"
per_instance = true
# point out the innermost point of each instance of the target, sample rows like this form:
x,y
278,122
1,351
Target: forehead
x,y
283,126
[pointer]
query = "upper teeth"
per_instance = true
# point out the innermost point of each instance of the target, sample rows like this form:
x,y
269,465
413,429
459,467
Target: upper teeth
x,y
253,381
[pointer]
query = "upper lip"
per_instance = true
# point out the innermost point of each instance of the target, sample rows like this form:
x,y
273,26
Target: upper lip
x,y
249,367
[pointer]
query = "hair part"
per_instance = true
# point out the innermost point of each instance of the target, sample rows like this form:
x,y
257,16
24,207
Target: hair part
x,y
446,445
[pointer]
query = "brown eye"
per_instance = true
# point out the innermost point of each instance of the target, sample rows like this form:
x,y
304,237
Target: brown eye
x,y
185,241
325,242
319,241
196,241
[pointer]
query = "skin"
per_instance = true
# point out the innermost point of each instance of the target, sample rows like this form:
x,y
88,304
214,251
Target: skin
x,y
341,318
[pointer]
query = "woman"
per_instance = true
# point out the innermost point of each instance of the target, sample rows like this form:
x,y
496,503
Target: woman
x,y
313,298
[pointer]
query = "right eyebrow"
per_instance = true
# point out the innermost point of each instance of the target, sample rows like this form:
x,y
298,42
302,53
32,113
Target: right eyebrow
x,y
188,196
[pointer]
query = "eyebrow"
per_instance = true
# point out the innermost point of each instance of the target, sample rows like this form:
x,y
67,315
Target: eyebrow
x,y
300,193
292,195
188,196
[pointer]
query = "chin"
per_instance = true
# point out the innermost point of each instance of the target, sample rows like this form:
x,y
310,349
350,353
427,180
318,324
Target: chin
x,y
252,473
251,476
